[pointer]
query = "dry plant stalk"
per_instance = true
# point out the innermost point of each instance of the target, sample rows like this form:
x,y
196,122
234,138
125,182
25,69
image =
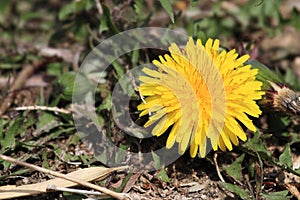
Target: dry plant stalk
x,y
45,108
120,196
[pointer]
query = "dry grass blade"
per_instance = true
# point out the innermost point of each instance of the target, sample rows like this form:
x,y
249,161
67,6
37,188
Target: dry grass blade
x,y
62,180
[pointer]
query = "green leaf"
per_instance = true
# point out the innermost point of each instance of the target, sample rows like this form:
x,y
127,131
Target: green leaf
x,y
128,88
194,3
256,145
168,7
135,55
66,10
291,78
9,140
108,21
156,159
106,103
4,9
285,158
67,81
294,21
276,195
54,69
119,69
45,162
124,182
103,23
235,168
163,176
44,119
4,5
237,190
73,8
138,5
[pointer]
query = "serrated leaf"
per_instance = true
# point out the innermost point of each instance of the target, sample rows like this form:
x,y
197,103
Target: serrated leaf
x,y
168,7
235,168
285,158
237,190
256,145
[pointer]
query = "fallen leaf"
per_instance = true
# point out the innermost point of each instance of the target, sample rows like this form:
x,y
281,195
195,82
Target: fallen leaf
x,y
65,54
282,45
286,8
197,187
131,182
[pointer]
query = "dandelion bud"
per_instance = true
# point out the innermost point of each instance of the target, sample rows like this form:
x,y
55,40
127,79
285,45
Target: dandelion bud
x,y
279,96
283,98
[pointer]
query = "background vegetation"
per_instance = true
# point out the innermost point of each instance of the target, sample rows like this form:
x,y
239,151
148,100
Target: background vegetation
x,y
51,38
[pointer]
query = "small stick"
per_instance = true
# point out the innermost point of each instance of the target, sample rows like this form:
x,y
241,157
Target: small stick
x,y
45,108
120,196
293,189
77,191
217,168
99,7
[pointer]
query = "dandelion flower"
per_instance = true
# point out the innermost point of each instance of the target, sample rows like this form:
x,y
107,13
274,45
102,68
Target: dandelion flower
x,y
203,94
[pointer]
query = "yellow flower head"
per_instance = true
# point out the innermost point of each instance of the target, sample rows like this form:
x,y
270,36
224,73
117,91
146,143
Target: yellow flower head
x,y
201,93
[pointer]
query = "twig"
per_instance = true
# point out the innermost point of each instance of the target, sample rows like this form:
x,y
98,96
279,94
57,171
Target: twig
x,y
77,191
120,196
45,108
293,189
18,83
99,7
76,58
217,168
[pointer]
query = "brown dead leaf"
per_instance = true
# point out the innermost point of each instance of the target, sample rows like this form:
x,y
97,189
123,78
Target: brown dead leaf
x,y
33,81
65,54
287,6
296,68
282,45
87,174
130,183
